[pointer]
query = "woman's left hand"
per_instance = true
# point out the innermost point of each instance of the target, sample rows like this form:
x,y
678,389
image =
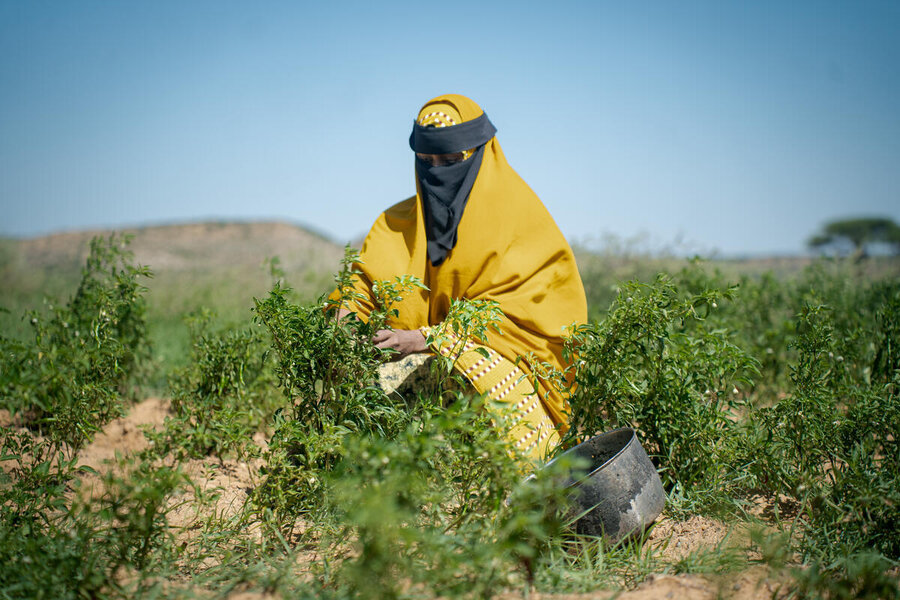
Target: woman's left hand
x,y
404,341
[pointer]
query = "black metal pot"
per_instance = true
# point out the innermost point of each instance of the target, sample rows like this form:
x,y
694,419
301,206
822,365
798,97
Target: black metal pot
x,y
619,493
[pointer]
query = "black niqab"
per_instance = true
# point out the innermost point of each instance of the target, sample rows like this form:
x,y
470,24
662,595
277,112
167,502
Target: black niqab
x,y
445,189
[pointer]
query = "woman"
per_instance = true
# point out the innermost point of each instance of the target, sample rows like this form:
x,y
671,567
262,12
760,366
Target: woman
x,y
475,230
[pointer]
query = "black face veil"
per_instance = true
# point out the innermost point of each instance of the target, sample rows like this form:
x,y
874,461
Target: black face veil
x,y
445,189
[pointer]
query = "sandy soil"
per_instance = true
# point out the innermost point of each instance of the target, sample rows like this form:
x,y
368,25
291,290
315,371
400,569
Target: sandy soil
x,y
229,480
124,435
232,481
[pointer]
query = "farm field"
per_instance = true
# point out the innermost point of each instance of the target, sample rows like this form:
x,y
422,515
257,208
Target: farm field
x,y
209,432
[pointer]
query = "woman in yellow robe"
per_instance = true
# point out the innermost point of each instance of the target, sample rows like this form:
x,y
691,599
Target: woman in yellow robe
x,y
475,230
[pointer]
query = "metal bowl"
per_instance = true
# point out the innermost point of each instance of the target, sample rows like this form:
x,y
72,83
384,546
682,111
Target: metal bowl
x,y
619,493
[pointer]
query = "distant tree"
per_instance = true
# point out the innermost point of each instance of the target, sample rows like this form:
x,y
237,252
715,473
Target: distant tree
x,y
858,234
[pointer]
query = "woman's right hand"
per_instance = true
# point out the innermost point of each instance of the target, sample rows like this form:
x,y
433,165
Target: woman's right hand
x,y
404,341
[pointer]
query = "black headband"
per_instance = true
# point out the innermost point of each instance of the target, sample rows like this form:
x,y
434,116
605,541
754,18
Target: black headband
x,y
455,138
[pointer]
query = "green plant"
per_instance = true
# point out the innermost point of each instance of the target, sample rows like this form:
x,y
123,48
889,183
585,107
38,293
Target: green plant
x,y
583,564
129,517
654,365
63,385
365,495
327,368
221,397
831,443
863,576
70,379
441,509
82,548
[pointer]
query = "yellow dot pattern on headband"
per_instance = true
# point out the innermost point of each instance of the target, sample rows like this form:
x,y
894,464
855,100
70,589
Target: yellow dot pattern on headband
x,y
436,119
442,119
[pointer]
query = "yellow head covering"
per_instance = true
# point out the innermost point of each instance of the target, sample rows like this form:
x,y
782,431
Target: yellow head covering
x,y
508,249
442,114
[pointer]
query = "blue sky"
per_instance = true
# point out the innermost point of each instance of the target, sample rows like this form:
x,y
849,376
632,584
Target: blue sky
x,y
728,127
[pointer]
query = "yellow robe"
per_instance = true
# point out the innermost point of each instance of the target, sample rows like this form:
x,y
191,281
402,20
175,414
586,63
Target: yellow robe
x,y
508,249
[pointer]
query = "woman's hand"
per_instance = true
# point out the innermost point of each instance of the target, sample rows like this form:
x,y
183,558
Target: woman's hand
x,y
404,341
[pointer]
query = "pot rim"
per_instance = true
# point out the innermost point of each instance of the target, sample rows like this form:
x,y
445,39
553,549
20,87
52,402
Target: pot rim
x,y
589,474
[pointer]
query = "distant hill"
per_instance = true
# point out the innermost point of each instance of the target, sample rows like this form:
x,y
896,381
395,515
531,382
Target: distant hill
x,y
189,246
215,265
